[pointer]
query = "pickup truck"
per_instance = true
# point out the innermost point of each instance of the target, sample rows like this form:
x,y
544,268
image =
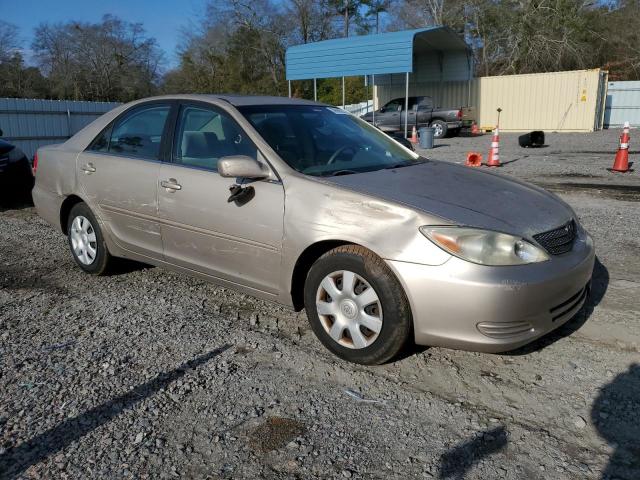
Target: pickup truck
x,y
422,113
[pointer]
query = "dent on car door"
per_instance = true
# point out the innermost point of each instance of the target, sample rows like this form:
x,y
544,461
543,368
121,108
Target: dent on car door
x,y
118,175
201,229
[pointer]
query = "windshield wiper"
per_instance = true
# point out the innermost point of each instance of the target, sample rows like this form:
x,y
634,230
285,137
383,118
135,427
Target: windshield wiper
x,y
404,164
397,165
342,172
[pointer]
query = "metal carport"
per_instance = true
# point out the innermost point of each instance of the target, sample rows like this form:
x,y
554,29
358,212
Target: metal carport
x,y
435,53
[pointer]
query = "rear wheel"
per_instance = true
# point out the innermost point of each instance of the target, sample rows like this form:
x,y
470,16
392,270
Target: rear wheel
x,y
86,240
356,306
440,128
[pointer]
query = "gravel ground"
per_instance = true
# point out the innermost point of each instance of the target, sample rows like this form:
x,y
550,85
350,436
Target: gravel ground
x,y
150,374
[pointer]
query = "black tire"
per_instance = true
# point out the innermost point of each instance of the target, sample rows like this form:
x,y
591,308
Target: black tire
x,y
103,260
441,128
396,312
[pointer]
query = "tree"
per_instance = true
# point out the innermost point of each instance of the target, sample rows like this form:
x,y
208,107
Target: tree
x,y
620,39
346,9
19,81
517,36
110,60
237,48
16,79
527,36
9,41
375,8
312,20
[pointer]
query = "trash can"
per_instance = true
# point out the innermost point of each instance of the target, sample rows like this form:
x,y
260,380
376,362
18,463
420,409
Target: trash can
x,y
426,137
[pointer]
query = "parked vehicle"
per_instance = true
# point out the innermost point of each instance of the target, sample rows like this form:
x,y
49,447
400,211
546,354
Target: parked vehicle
x,y
422,113
399,137
306,205
16,178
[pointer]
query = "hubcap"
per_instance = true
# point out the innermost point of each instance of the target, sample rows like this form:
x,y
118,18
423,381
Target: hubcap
x,y
83,240
437,129
349,309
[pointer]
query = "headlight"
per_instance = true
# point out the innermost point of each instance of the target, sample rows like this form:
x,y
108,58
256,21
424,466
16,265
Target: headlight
x,y
484,246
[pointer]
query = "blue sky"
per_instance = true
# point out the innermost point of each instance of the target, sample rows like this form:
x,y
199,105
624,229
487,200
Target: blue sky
x,y
162,19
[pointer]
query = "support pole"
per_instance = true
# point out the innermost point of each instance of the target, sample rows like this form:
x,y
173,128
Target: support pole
x,y
315,91
406,107
373,99
289,88
69,123
343,104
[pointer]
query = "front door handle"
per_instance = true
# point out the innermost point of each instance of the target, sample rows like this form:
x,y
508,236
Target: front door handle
x,y
171,185
88,168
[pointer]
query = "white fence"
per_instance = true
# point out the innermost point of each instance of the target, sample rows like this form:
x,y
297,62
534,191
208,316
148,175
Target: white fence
x,y
359,108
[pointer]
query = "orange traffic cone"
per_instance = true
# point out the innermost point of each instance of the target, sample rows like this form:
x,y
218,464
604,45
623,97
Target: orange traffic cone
x,y
474,159
474,129
621,163
414,135
494,156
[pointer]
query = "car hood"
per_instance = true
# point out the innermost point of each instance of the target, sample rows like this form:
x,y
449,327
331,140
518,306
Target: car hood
x,y
464,196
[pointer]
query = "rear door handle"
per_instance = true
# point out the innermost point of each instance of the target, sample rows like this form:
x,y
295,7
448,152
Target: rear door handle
x,y
171,185
88,168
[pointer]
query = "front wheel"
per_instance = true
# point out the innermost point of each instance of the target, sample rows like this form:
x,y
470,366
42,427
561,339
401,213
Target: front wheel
x,y
356,306
86,241
440,128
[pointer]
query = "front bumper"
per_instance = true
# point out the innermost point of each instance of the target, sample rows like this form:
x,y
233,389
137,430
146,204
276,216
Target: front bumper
x,y
494,309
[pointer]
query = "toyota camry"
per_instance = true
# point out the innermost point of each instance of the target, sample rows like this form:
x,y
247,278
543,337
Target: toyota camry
x,y
303,204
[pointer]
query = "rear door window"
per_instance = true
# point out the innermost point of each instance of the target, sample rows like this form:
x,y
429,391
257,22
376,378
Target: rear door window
x,y
139,133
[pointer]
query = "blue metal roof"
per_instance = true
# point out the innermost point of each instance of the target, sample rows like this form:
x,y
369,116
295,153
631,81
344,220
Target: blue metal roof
x,y
368,54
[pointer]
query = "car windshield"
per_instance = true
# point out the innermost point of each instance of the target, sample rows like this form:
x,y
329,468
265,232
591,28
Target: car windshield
x,y
324,141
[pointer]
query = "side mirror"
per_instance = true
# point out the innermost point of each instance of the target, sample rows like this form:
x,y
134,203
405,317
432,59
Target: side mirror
x,y
241,166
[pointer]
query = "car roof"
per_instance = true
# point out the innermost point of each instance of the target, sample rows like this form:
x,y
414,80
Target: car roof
x,y
245,100
242,100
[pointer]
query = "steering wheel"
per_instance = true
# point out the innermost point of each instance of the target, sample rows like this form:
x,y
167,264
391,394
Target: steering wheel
x,y
335,154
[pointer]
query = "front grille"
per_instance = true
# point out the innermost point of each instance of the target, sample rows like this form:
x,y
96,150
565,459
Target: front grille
x,y
569,304
559,240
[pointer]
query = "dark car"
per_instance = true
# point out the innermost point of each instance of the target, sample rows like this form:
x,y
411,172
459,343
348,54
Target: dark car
x,y
399,137
16,177
422,113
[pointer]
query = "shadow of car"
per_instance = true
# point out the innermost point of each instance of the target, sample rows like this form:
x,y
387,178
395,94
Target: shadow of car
x,y
16,176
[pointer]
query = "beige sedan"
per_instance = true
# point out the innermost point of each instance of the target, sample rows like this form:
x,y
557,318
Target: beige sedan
x,y
308,206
